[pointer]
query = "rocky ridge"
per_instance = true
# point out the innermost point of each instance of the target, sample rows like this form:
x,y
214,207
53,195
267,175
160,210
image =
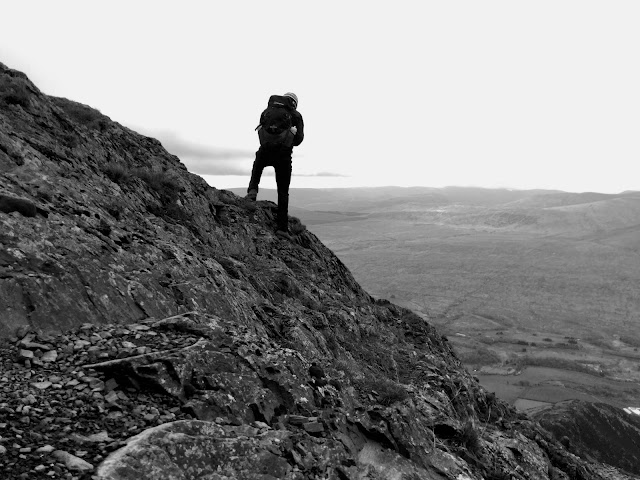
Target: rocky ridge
x,y
155,327
582,427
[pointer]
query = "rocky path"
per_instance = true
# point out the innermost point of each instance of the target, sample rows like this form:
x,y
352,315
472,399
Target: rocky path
x,y
58,418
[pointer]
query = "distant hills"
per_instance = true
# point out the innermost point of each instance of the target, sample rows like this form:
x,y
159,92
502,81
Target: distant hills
x,y
367,197
547,211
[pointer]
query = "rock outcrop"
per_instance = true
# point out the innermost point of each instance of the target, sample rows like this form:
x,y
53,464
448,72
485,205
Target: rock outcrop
x,y
161,325
596,430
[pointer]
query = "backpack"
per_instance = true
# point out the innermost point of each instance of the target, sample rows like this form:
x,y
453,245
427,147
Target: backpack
x,y
275,122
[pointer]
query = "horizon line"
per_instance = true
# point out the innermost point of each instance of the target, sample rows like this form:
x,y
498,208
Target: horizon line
x,y
441,188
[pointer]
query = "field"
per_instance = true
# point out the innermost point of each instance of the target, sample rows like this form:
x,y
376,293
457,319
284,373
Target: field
x,y
462,278
542,288
537,386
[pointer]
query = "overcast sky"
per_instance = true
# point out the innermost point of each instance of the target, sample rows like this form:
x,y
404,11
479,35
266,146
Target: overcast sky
x,y
518,94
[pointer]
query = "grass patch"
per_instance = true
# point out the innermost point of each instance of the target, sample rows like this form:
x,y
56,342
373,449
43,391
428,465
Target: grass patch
x,y
171,210
117,173
387,392
168,189
469,438
162,182
82,114
159,181
296,227
69,140
479,356
630,340
348,368
498,475
14,92
596,340
558,363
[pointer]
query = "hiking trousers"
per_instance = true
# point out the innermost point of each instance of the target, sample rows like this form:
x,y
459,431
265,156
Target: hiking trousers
x,y
280,160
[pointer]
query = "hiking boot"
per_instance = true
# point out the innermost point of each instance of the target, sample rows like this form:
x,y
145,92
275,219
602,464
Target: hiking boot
x,y
252,195
284,234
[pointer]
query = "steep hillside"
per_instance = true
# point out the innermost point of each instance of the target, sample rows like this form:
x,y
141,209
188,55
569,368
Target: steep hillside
x,y
155,327
583,426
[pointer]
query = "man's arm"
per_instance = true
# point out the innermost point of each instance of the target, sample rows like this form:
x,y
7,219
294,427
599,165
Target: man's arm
x,y
299,124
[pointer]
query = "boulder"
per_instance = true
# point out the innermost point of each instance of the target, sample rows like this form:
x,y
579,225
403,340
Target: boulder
x,y
197,449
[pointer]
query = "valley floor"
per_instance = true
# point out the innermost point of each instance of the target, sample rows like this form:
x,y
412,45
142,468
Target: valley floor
x,y
540,314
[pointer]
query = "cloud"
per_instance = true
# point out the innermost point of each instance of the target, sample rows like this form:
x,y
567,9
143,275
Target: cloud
x,y
192,150
216,166
206,159
187,149
203,167
209,160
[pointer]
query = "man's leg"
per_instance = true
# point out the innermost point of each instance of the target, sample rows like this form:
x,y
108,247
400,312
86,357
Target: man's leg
x,y
283,179
256,174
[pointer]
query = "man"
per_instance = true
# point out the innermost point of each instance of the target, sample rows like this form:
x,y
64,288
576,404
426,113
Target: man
x,y
277,154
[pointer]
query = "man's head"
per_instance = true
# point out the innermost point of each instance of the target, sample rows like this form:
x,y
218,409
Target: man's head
x,y
293,97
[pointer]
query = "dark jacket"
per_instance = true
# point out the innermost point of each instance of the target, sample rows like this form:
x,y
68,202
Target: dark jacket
x,y
299,124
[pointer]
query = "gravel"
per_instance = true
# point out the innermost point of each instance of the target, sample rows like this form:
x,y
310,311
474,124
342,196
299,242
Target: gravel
x,y
59,418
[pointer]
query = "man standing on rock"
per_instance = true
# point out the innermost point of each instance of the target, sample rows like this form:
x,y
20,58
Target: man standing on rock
x,y
281,128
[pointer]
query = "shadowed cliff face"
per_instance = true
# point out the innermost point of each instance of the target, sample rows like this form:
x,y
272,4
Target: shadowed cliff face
x,y
100,225
596,430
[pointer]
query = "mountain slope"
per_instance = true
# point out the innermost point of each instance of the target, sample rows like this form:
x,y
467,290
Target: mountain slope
x,y
583,426
126,282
